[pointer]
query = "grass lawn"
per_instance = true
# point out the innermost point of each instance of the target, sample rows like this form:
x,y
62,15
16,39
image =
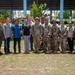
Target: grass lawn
x,y
37,64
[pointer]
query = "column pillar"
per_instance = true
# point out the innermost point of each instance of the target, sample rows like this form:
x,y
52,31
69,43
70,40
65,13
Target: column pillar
x,y
61,9
71,13
51,15
25,8
11,12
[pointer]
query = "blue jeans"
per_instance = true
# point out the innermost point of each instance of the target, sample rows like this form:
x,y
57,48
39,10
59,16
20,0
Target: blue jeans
x,y
7,45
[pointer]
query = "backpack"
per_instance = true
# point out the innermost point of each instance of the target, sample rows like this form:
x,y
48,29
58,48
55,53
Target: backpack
x,y
1,31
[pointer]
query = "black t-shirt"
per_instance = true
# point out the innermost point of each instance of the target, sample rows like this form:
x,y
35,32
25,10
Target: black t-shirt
x,y
26,30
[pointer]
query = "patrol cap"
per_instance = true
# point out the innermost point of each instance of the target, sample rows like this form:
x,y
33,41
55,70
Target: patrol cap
x,y
37,18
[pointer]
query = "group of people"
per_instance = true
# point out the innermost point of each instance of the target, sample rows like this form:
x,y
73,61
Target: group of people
x,y
34,32
52,34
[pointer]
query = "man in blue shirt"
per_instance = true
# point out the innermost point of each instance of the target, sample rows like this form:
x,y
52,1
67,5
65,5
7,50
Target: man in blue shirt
x,y
7,32
16,29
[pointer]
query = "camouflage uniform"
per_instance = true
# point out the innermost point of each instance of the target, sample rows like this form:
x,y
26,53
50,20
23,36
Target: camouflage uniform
x,y
47,37
63,37
36,33
55,34
1,35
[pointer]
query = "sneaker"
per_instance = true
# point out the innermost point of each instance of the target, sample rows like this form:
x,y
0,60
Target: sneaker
x,y
26,52
15,53
19,52
70,52
6,53
9,52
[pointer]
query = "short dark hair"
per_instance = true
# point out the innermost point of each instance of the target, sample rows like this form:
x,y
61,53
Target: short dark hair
x,y
7,18
16,20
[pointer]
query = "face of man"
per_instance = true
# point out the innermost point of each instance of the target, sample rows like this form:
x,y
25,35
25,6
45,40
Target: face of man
x,y
26,23
8,20
37,21
16,22
54,22
70,24
62,23
0,24
46,21
29,19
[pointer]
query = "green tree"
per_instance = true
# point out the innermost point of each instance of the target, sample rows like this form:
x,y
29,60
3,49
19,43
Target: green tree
x,y
4,13
73,14
37,11
58,16
66,14
73,23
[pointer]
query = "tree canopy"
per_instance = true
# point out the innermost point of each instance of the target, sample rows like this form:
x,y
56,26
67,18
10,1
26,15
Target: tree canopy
x,y
5,13
66,14
37,10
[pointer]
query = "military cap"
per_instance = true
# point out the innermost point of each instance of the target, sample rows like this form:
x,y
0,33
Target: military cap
x,y
37,18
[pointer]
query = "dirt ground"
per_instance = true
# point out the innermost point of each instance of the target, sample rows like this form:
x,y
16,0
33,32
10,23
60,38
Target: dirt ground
x,y
37,64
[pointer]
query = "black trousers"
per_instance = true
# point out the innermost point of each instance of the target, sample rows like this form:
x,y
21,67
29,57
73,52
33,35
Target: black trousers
x,y
70,43
19,46
31,42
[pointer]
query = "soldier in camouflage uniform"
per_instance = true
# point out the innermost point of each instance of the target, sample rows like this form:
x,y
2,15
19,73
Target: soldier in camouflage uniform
x,y
47,35
36,33
63,36
55,34
1,37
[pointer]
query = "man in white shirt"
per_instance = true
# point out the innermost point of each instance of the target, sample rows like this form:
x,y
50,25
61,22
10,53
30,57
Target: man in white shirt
x,y
70,36
31,38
